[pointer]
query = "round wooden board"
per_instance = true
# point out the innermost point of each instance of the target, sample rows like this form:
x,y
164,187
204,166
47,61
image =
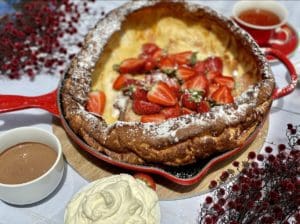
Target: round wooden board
x,y
92,168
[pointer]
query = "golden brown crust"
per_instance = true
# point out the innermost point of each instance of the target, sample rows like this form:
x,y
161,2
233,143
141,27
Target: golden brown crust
x,y
177,141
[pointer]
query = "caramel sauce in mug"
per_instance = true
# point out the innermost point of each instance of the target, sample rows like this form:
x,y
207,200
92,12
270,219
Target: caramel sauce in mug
x,y
24,162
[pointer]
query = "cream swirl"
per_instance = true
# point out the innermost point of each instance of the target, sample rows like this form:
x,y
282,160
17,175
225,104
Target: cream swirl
x,y
118,199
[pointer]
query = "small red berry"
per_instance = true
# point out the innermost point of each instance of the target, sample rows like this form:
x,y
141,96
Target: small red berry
x,y
250,204
213,184
208,220
236,163
208,200
251,155
221,201
217,207
256,171
224,176
289,126
281,147
290,186
271,158
235,187
254,164
231,204
268,149
260,157
293,131
221,191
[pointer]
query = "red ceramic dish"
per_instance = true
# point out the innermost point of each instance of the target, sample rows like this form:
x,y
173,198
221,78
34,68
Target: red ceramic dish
x,y
184,175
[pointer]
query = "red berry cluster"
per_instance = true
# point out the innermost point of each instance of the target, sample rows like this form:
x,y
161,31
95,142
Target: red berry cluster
x,y
267,190
31,38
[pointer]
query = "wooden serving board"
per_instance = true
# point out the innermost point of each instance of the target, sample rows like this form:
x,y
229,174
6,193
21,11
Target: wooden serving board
x,y
92,168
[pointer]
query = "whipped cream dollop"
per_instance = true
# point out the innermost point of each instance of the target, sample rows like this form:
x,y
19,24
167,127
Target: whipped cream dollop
x,y
118,199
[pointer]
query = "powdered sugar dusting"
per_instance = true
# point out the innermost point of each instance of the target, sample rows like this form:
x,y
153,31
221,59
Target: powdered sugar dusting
x,y
230,114
170,127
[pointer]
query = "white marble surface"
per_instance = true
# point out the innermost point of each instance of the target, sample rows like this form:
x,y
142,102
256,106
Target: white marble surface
x,y
51,210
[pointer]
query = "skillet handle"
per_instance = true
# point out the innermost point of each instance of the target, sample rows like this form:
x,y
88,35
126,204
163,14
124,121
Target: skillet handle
x,y
14,102
278,93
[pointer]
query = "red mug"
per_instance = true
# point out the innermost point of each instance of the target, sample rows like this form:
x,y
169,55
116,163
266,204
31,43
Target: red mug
x,y
263,34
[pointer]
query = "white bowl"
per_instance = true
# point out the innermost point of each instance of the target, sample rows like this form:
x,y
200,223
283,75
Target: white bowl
x,y
41,187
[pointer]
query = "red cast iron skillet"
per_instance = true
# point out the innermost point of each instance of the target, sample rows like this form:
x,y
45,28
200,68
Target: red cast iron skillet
x,y
185,175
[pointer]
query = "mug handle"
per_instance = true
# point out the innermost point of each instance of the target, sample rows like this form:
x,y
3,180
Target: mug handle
x,y
14,102
280,92
287,36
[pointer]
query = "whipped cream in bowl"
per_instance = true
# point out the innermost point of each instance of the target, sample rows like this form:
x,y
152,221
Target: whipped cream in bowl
x,y
118,199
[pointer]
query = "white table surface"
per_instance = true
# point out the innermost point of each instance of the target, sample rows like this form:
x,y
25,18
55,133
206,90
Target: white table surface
x,y
183,211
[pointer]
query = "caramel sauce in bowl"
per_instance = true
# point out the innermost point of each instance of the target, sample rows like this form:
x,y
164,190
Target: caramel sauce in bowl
x,y
31,165
25,162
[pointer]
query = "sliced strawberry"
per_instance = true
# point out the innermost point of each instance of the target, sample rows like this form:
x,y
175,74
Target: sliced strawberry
x,y
149,48
157,118
172,82
190,100
211,89
139,94
96,102
130,87
167,65
200,68
174,86
185,58
184,73
185,111
157,55
147,179
225,81
198,83
214,64
162,94
141,107
203,107
121,81
170,112
150,64
222,95
213,74
132,65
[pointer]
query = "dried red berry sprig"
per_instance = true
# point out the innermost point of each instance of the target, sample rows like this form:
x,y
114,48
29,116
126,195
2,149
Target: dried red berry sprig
x,y
267,189
31,39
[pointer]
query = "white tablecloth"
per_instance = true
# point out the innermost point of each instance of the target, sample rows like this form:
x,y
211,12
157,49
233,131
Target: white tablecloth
x,y
51,210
